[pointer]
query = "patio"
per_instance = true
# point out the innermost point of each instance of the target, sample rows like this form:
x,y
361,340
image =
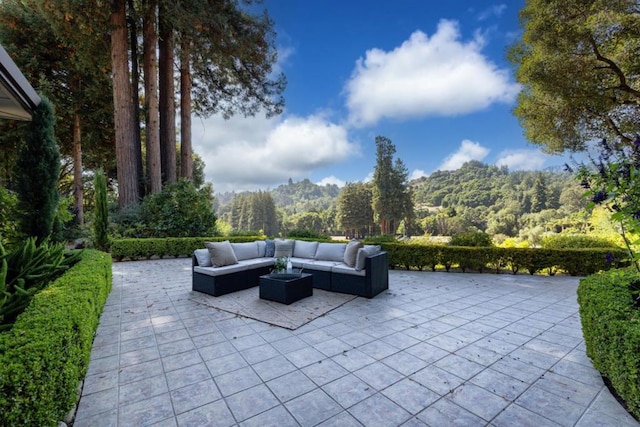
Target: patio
x,y
436,349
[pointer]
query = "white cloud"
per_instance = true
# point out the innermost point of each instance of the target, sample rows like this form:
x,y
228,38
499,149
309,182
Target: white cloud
x,y
495,10
252,153
469,150
331,180
368,178
426,76
417,173
522,159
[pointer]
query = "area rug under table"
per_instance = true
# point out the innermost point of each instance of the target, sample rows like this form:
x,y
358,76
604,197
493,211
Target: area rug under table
x,y
247,303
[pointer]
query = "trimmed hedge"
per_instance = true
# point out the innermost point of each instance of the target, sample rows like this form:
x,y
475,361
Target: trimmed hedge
x,y
135,249
46,353
611,329
576,262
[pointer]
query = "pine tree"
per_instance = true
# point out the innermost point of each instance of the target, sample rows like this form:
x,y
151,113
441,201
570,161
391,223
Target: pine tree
x,y
37,172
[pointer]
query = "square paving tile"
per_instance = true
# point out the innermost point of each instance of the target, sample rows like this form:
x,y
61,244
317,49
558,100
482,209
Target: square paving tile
x,y
194,395
214,414
379,410
313,408
290,386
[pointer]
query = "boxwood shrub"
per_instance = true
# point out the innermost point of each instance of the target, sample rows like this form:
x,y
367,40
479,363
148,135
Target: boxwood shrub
x,y
136,249
46,353
611,329
575,262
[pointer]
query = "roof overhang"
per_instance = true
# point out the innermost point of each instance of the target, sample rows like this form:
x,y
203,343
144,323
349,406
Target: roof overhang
x,y
18,99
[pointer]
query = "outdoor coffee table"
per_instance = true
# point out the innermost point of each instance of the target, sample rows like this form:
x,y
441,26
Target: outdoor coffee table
x,y
286,288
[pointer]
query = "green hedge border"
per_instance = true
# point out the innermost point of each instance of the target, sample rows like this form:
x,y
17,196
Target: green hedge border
x,y
576,262
46,353
136,249
611,329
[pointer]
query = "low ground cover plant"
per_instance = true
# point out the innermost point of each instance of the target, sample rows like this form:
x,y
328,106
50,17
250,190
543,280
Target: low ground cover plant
x,y
46,353
26,270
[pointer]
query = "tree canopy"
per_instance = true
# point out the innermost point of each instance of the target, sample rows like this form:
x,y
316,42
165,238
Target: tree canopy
x,y
578,62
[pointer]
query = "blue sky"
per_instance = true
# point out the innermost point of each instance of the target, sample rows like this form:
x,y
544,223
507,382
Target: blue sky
x,y
431,76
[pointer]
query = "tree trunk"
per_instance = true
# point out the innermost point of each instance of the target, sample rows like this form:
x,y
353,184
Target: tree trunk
x,y
78,186
154,173
135,93
167,102
122,109
186,151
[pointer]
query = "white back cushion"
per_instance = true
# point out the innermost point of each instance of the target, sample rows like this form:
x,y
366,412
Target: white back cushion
x,y
302,249
247,250
331,251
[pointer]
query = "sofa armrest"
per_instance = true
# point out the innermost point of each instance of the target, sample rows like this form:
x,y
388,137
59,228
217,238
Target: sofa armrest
x,y
377,267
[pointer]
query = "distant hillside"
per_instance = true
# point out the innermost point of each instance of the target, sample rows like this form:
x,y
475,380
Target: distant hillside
x,y
476,195
294,197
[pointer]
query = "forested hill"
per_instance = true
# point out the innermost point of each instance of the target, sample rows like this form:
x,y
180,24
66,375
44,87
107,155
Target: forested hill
x,y
476,184
296,197
477,195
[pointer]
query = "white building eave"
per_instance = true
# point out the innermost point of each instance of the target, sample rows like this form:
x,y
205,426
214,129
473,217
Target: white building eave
x,y
18,99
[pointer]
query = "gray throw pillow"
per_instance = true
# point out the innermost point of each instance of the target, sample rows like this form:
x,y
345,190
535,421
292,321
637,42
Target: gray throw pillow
x,y
284,248
203,257
270,249
221,253
351,252
363,253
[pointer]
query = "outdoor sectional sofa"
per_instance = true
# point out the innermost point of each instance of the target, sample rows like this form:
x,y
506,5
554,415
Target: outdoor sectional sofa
x,y
228,267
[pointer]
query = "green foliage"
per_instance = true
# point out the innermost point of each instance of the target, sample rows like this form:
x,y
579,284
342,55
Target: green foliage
x,y
8,216
578,63
135,249
533,260
37,173
253,211
478,238
492,199
305,233
610,317
354,213
26,270
575,241
46,354
179,210
392,199
101,212
613,180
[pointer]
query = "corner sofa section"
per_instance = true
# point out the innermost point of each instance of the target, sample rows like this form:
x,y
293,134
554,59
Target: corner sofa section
x,y
323,262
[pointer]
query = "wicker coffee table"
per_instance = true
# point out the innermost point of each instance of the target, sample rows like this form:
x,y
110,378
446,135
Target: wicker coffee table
x,y
286,288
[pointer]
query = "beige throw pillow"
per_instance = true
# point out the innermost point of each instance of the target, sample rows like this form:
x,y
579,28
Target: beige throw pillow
x,y
221,253
351,252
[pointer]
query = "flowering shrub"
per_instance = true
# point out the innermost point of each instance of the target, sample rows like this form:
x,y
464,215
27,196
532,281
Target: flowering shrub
x,y
613,180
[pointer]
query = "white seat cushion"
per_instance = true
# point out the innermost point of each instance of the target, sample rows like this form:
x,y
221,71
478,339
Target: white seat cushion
x,y
220,271
345,269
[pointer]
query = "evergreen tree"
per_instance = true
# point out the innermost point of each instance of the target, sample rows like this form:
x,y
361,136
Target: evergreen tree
x,y
391,196
539,194
101,213
354,210
37,173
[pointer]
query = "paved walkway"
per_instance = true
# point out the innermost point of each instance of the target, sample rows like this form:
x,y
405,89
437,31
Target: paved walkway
x,y
438,349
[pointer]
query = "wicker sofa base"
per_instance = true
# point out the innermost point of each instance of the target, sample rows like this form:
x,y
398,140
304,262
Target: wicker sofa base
x,y
374,281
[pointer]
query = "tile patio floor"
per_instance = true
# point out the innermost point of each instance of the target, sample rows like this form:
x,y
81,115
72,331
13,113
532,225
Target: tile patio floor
x,y
437,349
